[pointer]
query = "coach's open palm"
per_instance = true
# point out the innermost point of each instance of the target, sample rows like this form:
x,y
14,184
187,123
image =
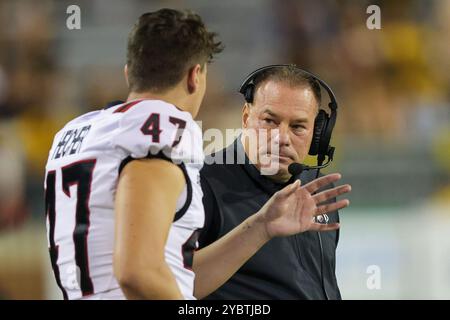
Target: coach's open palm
x,y
292,209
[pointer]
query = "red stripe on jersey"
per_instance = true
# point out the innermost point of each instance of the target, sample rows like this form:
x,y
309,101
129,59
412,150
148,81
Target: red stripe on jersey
x,y
127,106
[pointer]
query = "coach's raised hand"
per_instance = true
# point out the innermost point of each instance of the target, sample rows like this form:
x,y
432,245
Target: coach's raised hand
x,y
289,211
292,209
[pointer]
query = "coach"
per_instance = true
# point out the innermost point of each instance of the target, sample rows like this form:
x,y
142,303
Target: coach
x,y
296,267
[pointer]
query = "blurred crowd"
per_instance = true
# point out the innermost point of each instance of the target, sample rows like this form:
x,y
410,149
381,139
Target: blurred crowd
x,y
393,84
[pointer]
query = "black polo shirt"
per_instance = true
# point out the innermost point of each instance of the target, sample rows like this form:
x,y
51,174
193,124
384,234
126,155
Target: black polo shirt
x,y
285,267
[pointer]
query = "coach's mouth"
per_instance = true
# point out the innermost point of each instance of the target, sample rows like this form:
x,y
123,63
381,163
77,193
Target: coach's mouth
x,y
283,157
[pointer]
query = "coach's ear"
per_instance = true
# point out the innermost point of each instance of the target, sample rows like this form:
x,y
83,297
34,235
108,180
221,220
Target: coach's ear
x,y
193,78
125,71
245,115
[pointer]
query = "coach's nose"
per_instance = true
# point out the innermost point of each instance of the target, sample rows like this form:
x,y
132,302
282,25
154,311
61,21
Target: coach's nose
x,y
283,135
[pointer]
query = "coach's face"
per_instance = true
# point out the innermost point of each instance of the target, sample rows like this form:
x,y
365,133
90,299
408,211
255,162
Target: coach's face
x,y
291,110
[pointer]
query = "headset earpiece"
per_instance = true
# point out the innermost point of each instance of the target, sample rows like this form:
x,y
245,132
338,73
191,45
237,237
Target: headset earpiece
x,y
320,124
248,94
324,146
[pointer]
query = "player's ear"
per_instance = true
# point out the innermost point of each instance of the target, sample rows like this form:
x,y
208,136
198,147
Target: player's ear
x,y
125,72
245,115
193,78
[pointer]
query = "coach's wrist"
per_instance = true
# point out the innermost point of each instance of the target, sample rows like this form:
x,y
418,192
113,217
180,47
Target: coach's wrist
x,y
260,224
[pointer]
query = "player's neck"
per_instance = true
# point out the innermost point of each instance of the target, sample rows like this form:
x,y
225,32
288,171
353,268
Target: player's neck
x,y
171,96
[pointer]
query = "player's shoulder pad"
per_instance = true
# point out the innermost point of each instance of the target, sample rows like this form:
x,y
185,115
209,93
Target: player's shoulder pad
x,y
153,128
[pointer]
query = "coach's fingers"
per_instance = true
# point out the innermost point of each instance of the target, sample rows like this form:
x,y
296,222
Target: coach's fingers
x,y
316,184
288,190
331,193
330,207
324,227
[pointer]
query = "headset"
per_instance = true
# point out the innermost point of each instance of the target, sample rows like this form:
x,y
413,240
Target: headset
x,y
323,124
320,143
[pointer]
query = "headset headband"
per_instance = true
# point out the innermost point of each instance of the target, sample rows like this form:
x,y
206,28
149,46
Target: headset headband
x,y
333,103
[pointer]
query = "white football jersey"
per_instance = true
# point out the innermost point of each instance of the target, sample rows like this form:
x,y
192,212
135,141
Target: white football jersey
x,y
81,178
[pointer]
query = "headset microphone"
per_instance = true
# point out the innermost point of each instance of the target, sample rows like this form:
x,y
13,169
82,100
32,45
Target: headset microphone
x,y
296,169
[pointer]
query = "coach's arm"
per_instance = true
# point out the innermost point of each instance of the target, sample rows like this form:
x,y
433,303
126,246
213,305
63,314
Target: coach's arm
x,y
288,211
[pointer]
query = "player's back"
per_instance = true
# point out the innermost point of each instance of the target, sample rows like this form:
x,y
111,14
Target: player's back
x,y
82,173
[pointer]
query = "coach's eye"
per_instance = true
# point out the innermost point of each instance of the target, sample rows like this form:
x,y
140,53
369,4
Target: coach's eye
x,y
298,127
268,121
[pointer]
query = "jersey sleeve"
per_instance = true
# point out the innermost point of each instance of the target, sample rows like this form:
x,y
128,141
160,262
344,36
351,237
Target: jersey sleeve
x,y
153,129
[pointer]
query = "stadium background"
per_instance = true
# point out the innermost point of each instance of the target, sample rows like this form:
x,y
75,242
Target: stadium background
x,y
392,135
